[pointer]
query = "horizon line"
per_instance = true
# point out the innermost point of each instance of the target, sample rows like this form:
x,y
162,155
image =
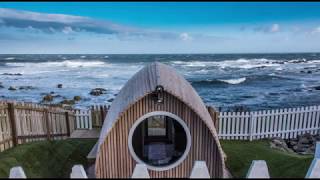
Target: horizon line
x,y
157,53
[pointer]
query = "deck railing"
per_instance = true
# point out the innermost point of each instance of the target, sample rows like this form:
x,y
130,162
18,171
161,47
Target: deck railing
x,y
285,123
26,122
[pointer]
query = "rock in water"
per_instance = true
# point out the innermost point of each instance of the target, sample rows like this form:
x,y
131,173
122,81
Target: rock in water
x,y
48,98
317,88
26,87
110,100
12,74
68,102
77,98
11,88
59,86
97,91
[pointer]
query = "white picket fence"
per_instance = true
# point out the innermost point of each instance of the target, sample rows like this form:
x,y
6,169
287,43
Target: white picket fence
x,y
285,123
83,119
92,117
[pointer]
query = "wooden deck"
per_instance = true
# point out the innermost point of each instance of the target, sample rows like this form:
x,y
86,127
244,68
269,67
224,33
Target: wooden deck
x,y
85,134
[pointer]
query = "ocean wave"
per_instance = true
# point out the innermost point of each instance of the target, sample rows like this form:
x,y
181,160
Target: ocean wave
x,y
67,63
219,81
303,60
242,63
314,61
234,81
239,63
206,82
10,58
202,71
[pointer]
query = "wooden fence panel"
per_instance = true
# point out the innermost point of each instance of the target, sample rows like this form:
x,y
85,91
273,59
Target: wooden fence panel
x,y
25,122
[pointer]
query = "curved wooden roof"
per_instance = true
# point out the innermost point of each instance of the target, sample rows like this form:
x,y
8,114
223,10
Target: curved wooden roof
x,y
145,82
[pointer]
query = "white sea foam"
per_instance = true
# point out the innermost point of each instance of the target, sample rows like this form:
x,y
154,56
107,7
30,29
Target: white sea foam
x,y
9,58
202,71
239,63
74,64
233,81
297,60
314,61
67,63
247,64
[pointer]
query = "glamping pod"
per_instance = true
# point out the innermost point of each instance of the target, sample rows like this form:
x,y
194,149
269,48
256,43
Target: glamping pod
x,y
158,120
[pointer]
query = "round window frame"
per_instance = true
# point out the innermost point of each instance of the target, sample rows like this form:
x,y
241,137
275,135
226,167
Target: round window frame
x,y
176,118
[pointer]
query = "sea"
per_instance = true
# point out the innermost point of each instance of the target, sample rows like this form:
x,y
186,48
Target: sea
x,y
225,81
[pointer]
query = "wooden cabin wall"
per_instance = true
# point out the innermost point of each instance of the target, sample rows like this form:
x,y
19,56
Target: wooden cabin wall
x,y
115,161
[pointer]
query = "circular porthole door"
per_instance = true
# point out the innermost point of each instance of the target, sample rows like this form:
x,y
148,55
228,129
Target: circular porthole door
x,y
159,139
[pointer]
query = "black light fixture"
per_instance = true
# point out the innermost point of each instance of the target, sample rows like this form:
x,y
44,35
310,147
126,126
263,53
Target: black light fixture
x,y
159,94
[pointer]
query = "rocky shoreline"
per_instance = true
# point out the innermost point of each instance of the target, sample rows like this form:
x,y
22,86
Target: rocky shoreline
x,y
50,97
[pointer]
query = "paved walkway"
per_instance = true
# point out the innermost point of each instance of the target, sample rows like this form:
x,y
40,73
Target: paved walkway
x,y
85,134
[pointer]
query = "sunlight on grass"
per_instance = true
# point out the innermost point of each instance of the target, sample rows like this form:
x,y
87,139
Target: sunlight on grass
x,y
241,153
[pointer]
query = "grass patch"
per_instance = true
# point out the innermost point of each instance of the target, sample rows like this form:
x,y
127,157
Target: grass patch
x,y
46,159
280,164
55,159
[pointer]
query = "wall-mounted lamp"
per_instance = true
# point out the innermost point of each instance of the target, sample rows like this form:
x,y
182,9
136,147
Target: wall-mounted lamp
x,y
159,93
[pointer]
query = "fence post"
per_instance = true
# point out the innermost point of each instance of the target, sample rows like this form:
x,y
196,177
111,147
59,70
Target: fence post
x,y
13,123
90,119
46,117
17,173
214,116
77,116
67,123
102,114
258,169
252,119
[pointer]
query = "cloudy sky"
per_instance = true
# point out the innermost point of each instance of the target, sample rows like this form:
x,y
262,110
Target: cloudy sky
x,y
207,27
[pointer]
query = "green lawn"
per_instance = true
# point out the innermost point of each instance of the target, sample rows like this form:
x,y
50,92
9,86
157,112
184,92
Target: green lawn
x,y
56,158
280,164
46,159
